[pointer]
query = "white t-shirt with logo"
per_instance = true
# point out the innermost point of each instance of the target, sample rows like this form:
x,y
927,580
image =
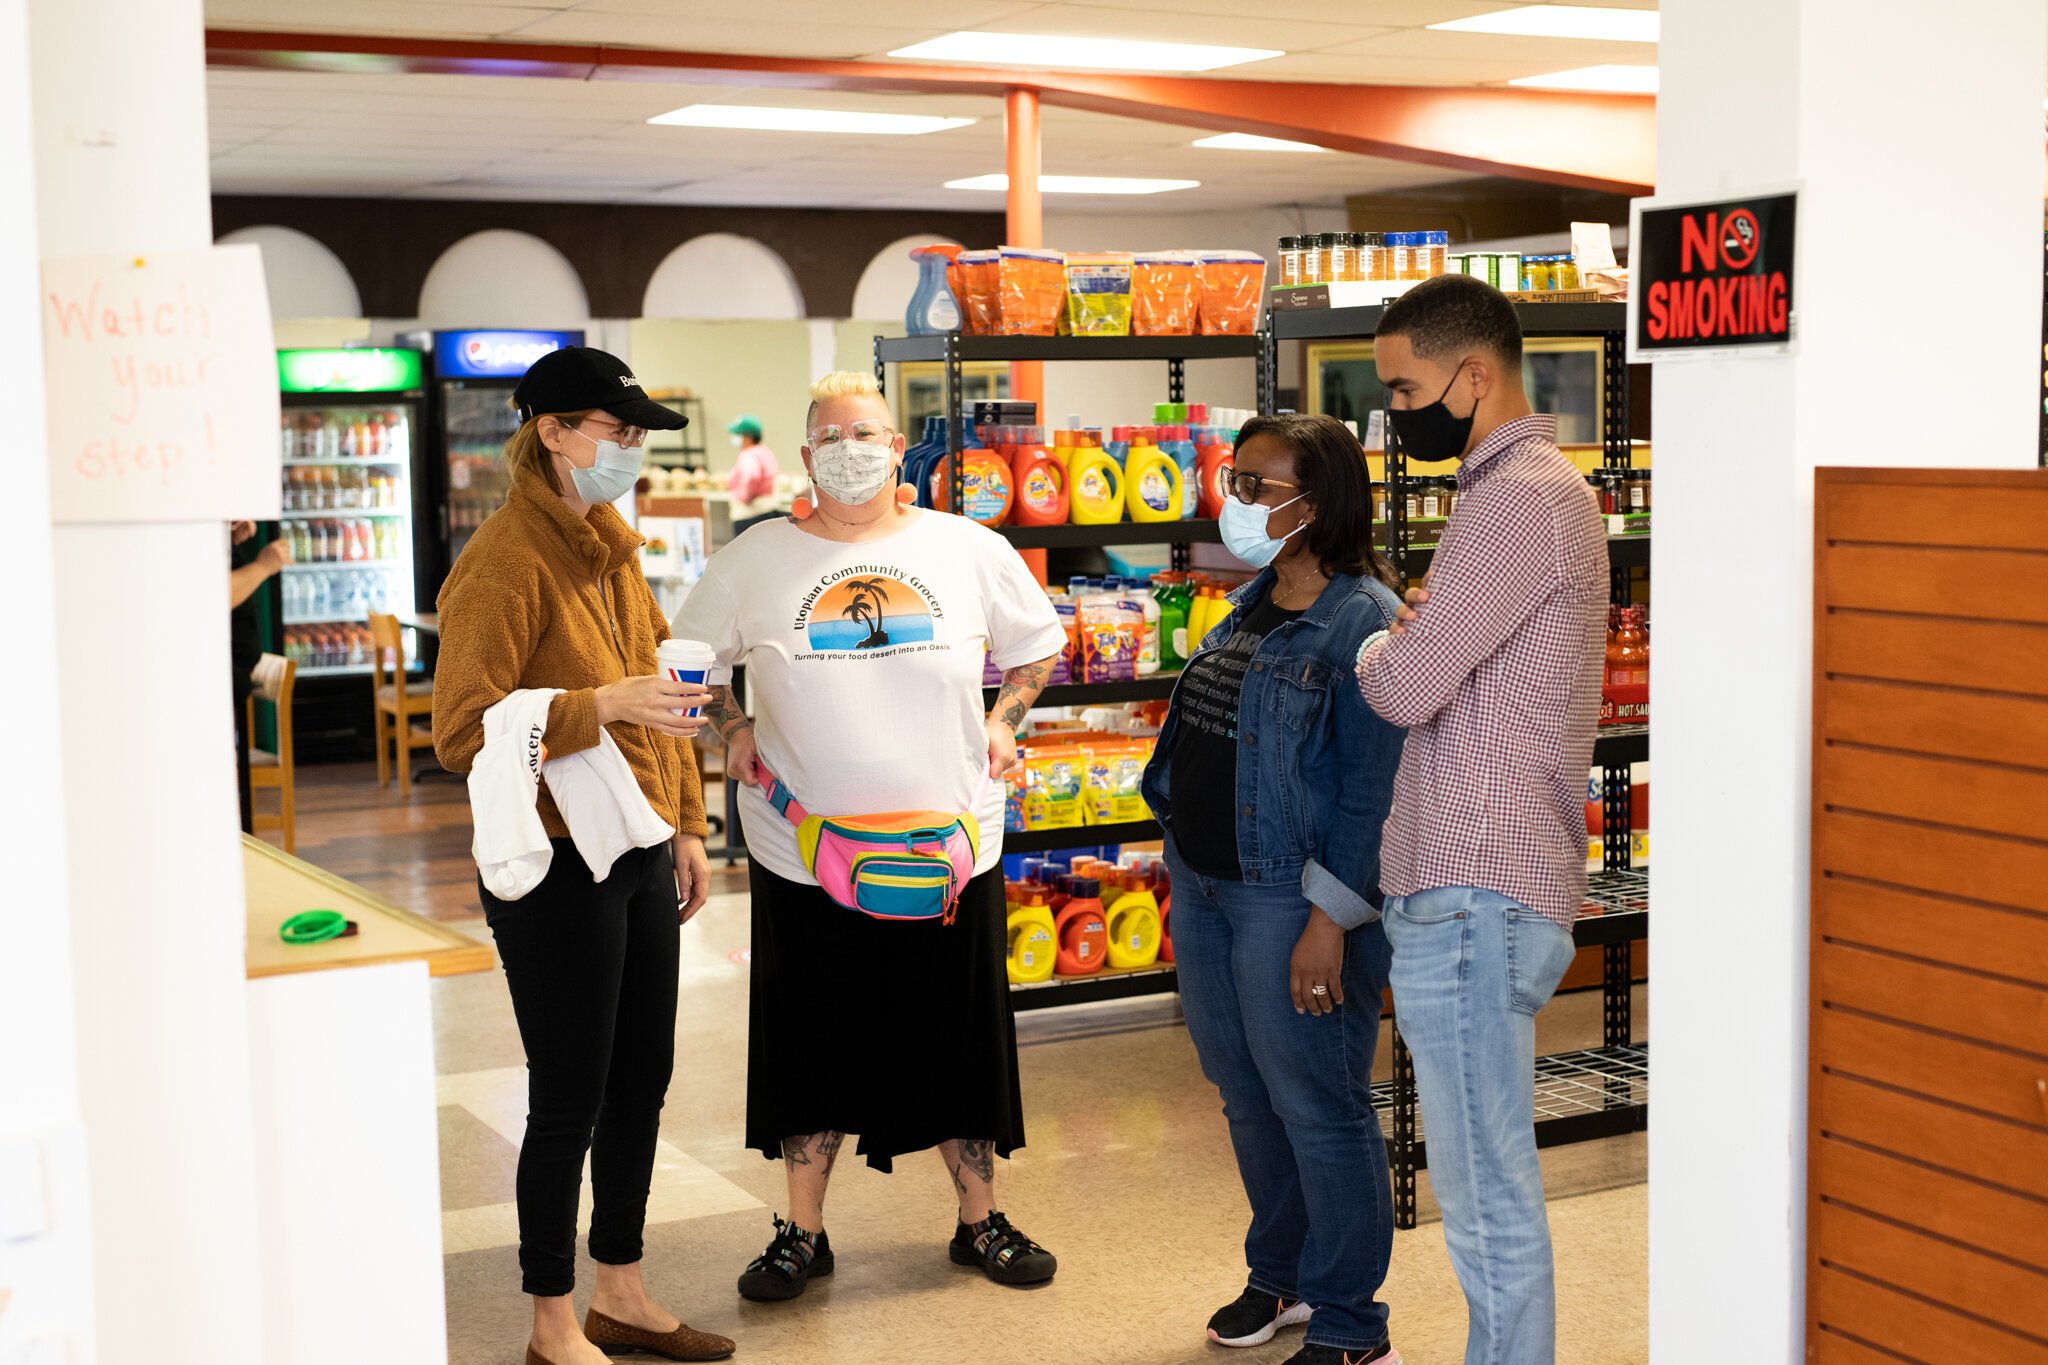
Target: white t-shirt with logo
x,y
864,667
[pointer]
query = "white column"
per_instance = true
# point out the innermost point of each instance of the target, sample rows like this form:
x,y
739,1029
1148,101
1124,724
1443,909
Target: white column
x,y
1917,137
119,110
45,1214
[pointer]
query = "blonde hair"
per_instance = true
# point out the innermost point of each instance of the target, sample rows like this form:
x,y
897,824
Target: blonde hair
x,y
527,452
841,384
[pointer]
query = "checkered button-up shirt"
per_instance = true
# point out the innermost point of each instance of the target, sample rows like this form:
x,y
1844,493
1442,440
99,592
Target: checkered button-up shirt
x,y
1498,683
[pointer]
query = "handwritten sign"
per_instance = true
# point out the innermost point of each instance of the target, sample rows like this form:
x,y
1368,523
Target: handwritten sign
x,y
161,376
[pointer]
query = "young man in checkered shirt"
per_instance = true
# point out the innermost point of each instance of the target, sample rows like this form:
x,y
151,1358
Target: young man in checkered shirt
x,y
1494,670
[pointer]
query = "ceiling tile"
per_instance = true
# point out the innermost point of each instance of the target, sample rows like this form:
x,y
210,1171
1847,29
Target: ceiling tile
x,y
1396,13
939,15
830,41
431,17
1535,54
1251,30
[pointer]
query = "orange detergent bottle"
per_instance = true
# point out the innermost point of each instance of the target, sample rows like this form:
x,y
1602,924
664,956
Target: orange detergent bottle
x,y
987,488
1040,481
1083,930
1209,466
1163,888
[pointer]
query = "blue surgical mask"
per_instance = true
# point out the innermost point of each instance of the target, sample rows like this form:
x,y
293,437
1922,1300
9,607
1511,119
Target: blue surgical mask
x,y
1244,530
613,475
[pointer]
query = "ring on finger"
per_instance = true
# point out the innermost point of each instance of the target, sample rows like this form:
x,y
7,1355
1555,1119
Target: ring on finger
x,y
1318,990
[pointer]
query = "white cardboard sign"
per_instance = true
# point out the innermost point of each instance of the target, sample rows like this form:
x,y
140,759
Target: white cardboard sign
x,y
161,376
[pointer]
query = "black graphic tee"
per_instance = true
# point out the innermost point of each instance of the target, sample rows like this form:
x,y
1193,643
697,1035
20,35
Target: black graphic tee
x,y
1204,776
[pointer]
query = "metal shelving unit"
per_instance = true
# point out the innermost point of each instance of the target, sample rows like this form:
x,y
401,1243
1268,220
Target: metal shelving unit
x,y
1597,1092
952,350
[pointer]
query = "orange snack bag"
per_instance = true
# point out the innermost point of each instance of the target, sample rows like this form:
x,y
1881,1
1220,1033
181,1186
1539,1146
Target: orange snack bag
x,y
956,280
1032,288
980,303
1233,283
1166,292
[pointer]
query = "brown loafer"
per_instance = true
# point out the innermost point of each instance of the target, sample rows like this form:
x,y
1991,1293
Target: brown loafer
x,y
685,1343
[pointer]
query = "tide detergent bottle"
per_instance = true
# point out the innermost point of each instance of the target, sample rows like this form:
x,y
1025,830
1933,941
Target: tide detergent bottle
x,y
987,487
1083,930
1152,483
1212,459
1119,444
1040,481
1134,924
1033,938
1175,442
1162,887
1095,489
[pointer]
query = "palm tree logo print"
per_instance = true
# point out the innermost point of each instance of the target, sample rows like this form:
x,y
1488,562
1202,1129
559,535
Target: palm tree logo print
x,y
869,596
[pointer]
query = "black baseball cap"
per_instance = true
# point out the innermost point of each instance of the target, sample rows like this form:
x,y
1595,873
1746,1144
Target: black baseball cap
x,y
577,378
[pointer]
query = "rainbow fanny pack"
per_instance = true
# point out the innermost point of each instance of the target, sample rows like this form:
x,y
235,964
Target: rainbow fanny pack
x,y
907,865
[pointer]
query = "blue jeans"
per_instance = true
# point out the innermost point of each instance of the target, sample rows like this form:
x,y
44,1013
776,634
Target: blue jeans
x,y
1297,1091
1471,968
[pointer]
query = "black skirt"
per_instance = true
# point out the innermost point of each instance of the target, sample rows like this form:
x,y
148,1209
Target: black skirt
x,y
898,1032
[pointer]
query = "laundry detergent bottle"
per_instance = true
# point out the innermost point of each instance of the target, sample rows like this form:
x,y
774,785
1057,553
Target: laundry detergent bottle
x,y
1210,466
1083,930
1175,441
1095,490
1034,938
1134,925
988,489
1152,483
1040,481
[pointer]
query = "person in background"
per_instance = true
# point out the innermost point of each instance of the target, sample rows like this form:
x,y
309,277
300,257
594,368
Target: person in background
x,y
246,573
751,481
1494,670
1271,778
549,594
900,1030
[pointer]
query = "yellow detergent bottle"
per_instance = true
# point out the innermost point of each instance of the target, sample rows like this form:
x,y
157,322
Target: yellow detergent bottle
x,y
1134,926
1095,488
1152,482
1034,942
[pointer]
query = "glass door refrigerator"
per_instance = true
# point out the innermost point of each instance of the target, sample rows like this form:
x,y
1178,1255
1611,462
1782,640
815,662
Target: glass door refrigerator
x,y
351,422
474,374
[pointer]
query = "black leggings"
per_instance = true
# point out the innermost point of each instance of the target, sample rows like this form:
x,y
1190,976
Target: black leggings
x,y
592,967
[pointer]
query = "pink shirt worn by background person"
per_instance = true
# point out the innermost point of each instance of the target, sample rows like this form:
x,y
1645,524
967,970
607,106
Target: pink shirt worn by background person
x,y
1497,682
753,475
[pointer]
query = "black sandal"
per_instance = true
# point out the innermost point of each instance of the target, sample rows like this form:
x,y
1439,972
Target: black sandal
x,y
791,1261
1003,1253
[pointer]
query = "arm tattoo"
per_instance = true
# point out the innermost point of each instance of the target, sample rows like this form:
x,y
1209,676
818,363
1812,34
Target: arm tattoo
x,y
980,1158
725,715
1020,690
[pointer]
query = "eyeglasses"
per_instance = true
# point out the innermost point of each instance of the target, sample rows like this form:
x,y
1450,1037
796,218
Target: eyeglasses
x,y
1245,485
868,433
617,432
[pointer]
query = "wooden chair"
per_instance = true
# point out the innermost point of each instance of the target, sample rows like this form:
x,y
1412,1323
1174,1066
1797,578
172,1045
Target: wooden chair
x,y
275,677
397,705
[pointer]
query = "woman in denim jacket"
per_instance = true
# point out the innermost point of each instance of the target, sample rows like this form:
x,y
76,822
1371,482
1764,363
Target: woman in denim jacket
x,y
1272,777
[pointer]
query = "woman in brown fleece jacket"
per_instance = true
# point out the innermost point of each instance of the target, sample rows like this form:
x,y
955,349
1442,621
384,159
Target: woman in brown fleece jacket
x,y
549,594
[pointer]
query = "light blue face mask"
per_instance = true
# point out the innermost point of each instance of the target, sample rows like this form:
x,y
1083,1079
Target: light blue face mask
x,y
613,475
1244,530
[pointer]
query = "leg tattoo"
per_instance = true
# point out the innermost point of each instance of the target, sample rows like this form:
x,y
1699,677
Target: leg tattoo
x,y
797,1151
980,1158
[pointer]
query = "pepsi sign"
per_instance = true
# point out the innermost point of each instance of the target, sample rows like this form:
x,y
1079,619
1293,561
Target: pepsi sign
x,y
495,355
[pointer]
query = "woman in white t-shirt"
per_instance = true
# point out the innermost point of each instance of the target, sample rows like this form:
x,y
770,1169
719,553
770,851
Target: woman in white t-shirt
x,y
863,627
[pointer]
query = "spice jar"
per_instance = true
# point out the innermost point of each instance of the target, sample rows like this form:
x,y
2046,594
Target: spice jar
x,y
1312,260
1379,500
1613,492
1636,485
1436,249
1432,497
1337,256
1411,498
1354,257
1290,261
1373,256
1451,495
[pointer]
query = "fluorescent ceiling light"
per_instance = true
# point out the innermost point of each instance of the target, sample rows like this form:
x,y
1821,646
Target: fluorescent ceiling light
x,y
1619,80
1252,142
1076,184
803,120
1562,21
1065,53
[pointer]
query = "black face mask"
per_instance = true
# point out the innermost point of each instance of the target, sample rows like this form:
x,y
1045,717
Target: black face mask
x,y
1431,434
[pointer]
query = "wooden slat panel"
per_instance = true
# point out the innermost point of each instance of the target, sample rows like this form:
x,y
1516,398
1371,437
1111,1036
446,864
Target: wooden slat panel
x,y
1917,1330
1934,997
1968,1074
1974,1283
1979,585
1989,1149
1997,729
1998,656
2005,942
1992,1221
2013,517
1830,1349
1943,790
1975,867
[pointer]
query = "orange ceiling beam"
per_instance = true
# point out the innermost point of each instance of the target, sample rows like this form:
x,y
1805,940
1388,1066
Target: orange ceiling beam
x,y
1595,142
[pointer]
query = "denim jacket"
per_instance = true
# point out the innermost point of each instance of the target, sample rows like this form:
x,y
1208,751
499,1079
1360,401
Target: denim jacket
x,y
1315,769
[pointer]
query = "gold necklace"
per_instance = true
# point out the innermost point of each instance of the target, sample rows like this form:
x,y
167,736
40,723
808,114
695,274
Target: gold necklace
x,y
1289,589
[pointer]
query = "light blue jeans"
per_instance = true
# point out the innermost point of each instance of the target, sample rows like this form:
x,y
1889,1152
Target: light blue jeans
x,y
1471,968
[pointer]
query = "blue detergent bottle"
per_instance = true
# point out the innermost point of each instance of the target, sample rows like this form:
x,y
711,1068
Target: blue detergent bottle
x,y
933,310
918,460
1174,441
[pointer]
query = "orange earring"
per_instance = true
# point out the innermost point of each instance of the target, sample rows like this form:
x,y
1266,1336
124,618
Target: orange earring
x,y
801,509
905,494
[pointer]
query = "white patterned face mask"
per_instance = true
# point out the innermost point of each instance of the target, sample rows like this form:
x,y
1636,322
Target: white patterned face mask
x,y
852,472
